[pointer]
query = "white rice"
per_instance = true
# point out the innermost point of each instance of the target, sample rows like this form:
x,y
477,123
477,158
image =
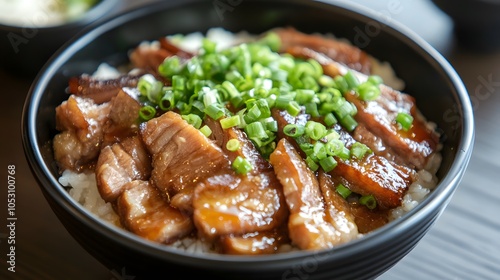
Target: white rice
x,y
83,187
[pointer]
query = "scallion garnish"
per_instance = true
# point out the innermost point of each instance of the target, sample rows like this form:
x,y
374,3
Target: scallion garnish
x,y
233,145
343,191
147,112
369,201
359,150
241,165
206,130
405,120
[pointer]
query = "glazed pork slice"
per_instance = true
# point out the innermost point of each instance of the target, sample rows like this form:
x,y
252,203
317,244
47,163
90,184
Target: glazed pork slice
x,y
100,90
373,174
338,212
412,148
123,120
230,204
332,48
362,134
247,149
80,122
283,118
149,56
182,157
143,211
119,164
309,225
415,145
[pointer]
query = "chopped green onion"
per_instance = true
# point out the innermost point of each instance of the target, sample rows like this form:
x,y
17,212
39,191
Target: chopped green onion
x,y
147,112
148,86
328,163
293,108
272,40
230,122
319,151
348,122
343,191
206,130
170,66
293,130
367,91
369,201
405,120
315,130
178,82
233,145
359,150
208,46
334,147
341,84
193,120
255,130
351,80
241,165
304,96
330,119
311,164
375,80
167,101
215,111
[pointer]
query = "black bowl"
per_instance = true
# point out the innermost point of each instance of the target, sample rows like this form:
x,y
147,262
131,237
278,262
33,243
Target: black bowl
x,y
437,88
25,49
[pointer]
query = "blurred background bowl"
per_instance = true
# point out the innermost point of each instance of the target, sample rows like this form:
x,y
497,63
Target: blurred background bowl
x,y
438,89
476,22
30,38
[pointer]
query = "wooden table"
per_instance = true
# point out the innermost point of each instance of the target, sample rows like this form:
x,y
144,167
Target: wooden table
x,y
463,244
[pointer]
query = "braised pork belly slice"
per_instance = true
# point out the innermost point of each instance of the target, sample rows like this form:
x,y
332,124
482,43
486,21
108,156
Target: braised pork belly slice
x,y
182,157
119,164
258,243
80,122
100,90
373,175
333,48
247,149
309,225
338,212
233,204
167,45
283,118
415,145
143,211
149,56
412,148
123,119
364,218
376,144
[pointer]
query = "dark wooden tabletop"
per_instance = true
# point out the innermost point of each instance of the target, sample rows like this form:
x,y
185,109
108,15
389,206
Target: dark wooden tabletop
x,y
464,243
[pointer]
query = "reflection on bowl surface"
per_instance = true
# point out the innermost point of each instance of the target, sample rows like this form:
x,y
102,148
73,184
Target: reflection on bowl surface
x,y
445,103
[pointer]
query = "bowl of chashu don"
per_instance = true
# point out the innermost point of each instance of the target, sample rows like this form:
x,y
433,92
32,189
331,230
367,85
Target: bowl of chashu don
x,y
251,139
